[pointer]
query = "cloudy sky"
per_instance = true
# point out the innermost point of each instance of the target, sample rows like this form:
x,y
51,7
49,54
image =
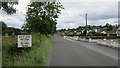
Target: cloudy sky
x,y
99,13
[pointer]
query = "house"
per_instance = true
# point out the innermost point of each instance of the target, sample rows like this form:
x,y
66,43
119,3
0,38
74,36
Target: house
x,y
103,32
78,33
83,30
95,30
89,31
118,31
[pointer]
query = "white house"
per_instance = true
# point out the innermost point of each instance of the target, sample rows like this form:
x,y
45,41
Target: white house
x,y
96,30
118,31
103,32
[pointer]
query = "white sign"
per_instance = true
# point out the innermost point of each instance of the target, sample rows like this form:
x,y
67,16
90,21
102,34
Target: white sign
x,y
24,41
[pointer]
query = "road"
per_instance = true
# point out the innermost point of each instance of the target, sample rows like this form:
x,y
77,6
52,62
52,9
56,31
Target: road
x,y
76,53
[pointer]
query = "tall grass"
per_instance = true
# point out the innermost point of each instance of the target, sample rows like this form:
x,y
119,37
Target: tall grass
x,y
37,55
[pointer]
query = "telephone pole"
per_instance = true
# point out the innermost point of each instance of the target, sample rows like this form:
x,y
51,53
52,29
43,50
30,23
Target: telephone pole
x,y
86,23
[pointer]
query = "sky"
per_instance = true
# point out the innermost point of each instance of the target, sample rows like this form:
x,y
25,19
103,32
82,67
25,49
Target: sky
x,y
99,13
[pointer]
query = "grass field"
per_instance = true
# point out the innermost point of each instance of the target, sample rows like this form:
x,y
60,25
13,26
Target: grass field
x,y
37,55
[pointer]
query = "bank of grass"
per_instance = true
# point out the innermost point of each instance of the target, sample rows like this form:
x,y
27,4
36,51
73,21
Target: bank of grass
x,y
117,40
37,55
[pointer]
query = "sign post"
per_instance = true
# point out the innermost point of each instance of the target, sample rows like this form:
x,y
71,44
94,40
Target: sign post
x,y
24,41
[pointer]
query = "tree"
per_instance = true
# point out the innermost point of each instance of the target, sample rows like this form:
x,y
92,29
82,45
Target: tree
x,y
3,26
8,7
11,30
100,26
109,27
41,17
107,24
85,32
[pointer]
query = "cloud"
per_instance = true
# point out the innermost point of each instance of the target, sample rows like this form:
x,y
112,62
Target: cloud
x,y
15,20
88,0
103,11
18,19
99,13
112,21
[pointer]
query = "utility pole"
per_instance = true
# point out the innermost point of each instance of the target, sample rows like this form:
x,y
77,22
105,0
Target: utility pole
x,y
86,23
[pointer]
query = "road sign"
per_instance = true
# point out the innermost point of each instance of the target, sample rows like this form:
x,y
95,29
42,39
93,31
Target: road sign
x,y
24,40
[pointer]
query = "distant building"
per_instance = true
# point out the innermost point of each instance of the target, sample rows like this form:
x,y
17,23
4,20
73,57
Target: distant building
x,y
78,33
118,31
89,31
96,30
83,30
103,32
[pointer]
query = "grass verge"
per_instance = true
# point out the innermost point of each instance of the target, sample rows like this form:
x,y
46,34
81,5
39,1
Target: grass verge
x,y
37,55
117,40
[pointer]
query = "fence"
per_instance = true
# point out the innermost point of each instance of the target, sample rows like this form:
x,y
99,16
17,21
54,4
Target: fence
x,y
109,43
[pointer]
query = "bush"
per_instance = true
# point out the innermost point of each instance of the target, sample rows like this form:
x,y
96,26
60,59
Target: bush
x,y
113,34
36,55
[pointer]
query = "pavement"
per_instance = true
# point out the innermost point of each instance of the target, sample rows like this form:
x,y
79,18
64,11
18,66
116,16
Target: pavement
x,y
68,52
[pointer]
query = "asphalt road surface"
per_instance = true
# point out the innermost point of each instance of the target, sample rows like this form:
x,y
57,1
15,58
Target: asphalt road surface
x,y
76,53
